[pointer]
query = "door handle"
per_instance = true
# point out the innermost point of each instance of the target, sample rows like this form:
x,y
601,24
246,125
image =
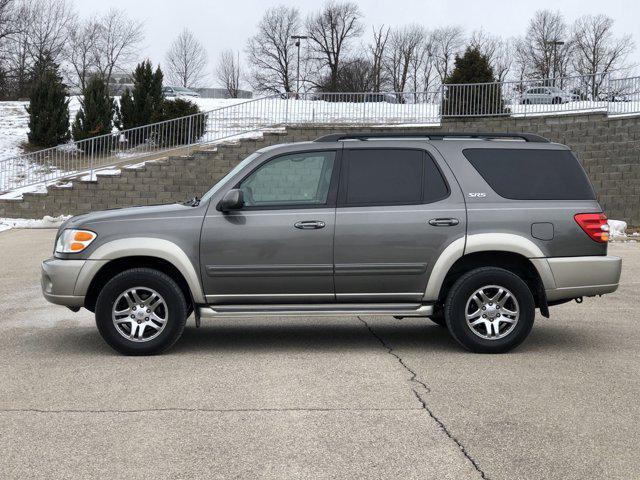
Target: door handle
x,y
444,222
309,225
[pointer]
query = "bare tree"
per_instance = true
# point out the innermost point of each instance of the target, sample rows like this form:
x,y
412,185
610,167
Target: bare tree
x,y
546,56
498,51
186,60
18,50
116,43
448,42
228,72
422,65
377,52
356,76
596,50
330,33
49,21
429,73
80,51
272,52
404,46
8,19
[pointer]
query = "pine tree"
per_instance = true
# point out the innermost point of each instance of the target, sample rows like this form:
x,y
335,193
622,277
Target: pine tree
x,y
48,106
472,68
188,130
144,104
96,113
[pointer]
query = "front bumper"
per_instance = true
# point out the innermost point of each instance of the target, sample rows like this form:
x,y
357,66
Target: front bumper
x,y
59,279
583,276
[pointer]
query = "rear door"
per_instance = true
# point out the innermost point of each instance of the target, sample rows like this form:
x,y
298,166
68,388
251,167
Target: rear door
x,y
398,208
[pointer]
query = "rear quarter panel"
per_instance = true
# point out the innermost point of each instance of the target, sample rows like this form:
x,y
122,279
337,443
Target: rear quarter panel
x,y
488,212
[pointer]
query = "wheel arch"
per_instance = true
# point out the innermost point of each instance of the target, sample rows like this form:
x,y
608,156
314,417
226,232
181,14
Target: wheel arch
x,y
113,267
511,252
118,255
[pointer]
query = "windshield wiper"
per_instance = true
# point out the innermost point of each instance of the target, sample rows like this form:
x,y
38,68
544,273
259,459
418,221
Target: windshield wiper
x,y
192,202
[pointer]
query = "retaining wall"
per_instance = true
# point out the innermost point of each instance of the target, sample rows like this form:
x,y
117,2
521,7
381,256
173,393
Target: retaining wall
x,y
609,149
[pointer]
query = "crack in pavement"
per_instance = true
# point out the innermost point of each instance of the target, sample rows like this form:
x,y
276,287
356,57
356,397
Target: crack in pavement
x,y
414,378
205,410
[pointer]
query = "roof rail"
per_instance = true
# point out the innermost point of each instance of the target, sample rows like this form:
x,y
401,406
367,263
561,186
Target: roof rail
x,y
337,137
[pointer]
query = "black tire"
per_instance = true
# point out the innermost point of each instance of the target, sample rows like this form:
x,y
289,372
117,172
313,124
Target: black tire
x,y
166,287
461,292
556,101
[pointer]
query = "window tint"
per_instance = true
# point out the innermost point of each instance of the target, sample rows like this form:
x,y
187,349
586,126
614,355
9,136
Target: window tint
x,y
435,187
296,179
391,177
532,174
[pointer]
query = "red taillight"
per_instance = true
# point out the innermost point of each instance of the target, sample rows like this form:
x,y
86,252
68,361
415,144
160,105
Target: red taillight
x,y
595,225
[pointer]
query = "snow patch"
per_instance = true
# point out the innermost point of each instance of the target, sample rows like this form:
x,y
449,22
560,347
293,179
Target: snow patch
x,y
106,172
617,228
17,193
45,222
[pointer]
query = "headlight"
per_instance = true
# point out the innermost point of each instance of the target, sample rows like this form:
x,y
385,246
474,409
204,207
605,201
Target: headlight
x,y
74,241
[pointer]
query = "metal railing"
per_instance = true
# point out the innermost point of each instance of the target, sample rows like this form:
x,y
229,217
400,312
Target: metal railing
x,y
233,121
528,97
513,98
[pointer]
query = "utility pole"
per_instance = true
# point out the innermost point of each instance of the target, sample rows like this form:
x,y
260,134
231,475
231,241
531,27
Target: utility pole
x,y
298,38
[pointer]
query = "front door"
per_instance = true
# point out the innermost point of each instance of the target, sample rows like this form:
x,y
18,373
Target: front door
x,y
279,247
396,213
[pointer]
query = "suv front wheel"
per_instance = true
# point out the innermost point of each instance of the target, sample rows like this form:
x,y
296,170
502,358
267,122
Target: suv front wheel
x,y
141,312
489,310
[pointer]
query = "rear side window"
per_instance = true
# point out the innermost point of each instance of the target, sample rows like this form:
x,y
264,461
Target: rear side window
x,y
521,174
391,177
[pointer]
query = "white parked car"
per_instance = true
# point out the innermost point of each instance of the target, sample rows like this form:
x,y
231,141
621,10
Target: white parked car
x,y
546,95
171,92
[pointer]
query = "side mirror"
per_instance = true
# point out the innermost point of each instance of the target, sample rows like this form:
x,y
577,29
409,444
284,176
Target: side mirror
x,y
232,200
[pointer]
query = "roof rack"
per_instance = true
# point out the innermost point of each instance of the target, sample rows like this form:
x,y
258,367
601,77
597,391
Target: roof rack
x,y
337,137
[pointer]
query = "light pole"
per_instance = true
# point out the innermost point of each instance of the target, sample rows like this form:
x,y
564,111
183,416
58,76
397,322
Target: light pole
x,y
297,38
556,44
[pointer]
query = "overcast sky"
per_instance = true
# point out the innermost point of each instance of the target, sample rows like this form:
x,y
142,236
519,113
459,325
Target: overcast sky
x,y
228,24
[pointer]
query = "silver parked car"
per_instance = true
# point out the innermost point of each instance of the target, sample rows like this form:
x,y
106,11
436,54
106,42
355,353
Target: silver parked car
x,y
474,231
171,92
547,95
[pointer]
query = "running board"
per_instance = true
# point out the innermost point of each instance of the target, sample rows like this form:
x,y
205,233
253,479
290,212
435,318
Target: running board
x,y
318,310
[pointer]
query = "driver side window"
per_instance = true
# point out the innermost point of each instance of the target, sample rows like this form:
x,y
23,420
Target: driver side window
x,y
294,179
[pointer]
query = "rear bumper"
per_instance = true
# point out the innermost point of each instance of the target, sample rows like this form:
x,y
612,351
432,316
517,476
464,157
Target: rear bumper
x,y
59,281
582,276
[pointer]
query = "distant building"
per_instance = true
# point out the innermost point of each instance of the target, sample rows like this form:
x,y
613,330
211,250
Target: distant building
x,y
209,92
119,82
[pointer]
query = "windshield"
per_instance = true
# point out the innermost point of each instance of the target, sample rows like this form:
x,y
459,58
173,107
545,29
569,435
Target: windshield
x,y
224,179
182,89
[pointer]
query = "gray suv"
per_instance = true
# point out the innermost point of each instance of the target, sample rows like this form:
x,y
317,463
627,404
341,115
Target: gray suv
x,y
474,231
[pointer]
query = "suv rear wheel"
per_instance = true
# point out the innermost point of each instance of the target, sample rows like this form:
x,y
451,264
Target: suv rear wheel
x,y
141,312
489,310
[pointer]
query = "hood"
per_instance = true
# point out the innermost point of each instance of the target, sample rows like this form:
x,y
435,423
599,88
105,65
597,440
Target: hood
x,y
131,213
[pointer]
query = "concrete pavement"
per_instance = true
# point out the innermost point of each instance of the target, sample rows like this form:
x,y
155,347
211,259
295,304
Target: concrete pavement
x,y
315,398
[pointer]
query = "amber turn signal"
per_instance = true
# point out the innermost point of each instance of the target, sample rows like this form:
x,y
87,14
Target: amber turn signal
x,y
82,236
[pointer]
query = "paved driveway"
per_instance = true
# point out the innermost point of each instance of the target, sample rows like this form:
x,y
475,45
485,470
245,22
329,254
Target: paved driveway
x,y
324,398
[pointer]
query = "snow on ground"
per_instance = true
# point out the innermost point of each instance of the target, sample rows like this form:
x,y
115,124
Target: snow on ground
x,y
44,222
14,125
107,172
617,228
